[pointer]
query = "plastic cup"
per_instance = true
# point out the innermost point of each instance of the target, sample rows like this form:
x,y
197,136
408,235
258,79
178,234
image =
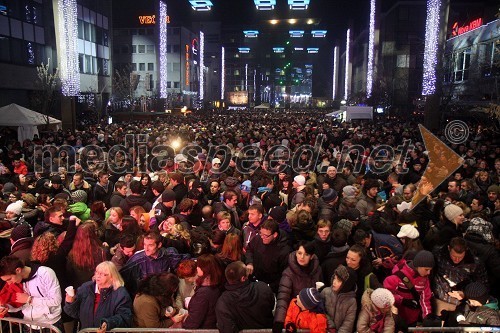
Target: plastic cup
x,y
183,311
70,291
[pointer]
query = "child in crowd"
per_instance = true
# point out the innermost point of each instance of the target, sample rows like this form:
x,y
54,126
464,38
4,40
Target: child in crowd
x,y
306,312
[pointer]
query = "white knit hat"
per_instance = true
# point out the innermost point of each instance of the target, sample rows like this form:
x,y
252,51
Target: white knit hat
x,y
408,231
301,180
15,207
452,211
382,298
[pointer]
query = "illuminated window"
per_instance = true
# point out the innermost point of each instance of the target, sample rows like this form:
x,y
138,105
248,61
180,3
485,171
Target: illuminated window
x,y
462,63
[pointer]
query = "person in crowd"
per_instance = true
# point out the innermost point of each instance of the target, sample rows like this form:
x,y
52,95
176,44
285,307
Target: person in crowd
x,y
340,300
244,304
79,206
376,312
101,303
478,308
21,241
123,250
267,255
306,311
411,287
456,267
81,264
356,259
368,201
409,237
103,188
41,298
231,251
449,227
336,256
230,205
187,274
136,198
113,226
323,240
119,194
303,271
201,309
224,224
155,297
252,227
154,259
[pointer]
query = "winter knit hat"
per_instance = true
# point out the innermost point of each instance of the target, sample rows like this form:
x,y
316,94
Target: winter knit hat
x,y
349,191
423,259
345,225
310,298
8,188
246,186
301,180
79,196
382,298
15,207
20,231
408,231
481,227
476,291
451,211
329,195
348,277
278,213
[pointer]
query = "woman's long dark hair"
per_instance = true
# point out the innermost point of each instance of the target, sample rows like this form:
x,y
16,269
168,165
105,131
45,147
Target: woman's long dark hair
x,y
162,286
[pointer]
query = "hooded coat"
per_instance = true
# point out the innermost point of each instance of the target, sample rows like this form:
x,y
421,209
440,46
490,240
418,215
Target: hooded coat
x,y
294,279
368,316
246,305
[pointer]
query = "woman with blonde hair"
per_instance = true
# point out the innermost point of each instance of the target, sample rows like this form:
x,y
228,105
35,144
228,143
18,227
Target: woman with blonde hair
x,y
113,226
101,303
87,252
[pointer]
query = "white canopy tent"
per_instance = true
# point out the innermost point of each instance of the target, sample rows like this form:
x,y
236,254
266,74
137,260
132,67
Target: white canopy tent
x,y
262,106
26,121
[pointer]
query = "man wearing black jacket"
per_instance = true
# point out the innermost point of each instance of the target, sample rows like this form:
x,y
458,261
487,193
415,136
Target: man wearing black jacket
x,y
244,305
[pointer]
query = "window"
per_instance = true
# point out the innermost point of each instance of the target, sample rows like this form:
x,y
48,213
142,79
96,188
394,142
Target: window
x,y
462,63
150,49
236,72
88,64
151,66
80,62
142,48
403,61
134,48
176,85
142,66
86,31
134,67
169,48
80,29
169,84
105,38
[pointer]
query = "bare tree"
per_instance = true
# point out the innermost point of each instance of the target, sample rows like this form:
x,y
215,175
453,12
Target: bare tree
x,y
47,86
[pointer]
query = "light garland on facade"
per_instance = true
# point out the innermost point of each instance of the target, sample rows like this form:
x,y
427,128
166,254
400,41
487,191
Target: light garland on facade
x,y
223,74
246,78
371,49
163,49
431,47
202,66
346,79
335,69
68,36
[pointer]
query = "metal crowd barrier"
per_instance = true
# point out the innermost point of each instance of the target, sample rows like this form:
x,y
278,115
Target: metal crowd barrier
x,y
16,325
454,329
173,330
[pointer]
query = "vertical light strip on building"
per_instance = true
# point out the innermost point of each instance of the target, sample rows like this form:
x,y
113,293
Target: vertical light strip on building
x,y
254,83
223,74
163,49
246,78
335,71
346,79
371,46
202,66
68,35
431,47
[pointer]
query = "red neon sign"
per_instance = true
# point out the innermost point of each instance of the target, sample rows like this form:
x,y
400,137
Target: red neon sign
x,y
187,65
474,24
150,19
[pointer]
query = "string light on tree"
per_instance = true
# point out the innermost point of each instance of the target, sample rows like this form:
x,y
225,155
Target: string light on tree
x,y
223,74
431,47
346,79
68,36
163,49
202,66
335,69
371,46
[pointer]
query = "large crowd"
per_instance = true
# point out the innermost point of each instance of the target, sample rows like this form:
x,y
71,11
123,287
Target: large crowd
x,y
287,220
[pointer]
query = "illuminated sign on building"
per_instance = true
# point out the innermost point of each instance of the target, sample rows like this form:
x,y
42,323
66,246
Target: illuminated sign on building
x,y
244,49
318,33
298,4
278,49
265,4
312,50
187,66
150,19
201,5
296,33
457,30
251,33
